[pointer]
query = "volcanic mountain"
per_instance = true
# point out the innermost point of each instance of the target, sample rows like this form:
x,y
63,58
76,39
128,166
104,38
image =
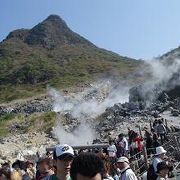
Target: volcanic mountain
x,y
52,54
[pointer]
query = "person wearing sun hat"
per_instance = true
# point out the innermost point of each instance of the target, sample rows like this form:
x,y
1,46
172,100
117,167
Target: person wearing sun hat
x,y
63,156
126,172
159,156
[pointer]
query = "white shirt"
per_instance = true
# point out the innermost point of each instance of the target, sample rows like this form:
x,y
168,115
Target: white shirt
x,y
112,151
155,162
155,128
161,178
128,174
108,178
126,147
123,143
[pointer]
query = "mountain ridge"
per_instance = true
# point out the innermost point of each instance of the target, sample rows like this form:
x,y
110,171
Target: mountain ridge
x,y
52,54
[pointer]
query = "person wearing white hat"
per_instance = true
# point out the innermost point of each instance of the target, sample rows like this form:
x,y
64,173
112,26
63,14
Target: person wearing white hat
x,y
63,156
160,156
126,172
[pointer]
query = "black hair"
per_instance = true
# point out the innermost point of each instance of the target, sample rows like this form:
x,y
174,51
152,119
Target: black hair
x,y
162,165
111,141
48,161
16,163
48,153
121,135
86,164
6,164
21,164
160,122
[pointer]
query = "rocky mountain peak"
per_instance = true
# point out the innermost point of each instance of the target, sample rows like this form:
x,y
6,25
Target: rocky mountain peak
x,y
50,33
57,20
54,31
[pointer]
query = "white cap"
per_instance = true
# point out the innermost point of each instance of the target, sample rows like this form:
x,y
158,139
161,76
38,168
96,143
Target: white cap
x,y
64,149
123,159
160,150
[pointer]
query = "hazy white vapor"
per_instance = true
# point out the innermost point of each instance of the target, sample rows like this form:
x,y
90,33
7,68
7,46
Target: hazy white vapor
x,y
163,72
92,107
83,135
85,105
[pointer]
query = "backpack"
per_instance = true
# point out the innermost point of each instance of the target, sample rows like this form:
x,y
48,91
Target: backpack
x,y
151,174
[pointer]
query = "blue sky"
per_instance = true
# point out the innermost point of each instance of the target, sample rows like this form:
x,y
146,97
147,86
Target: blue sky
x,y
134,28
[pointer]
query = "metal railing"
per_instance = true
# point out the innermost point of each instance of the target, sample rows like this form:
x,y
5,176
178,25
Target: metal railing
x,y
139,165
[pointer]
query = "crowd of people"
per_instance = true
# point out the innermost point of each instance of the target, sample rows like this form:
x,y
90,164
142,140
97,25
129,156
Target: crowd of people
x,y
133,144
111,163
65,163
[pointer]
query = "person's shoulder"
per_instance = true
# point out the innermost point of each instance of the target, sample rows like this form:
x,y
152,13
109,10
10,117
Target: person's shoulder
x,y
116,177
110,147
108,178
157,159
53,177
160,178
130,172
130,175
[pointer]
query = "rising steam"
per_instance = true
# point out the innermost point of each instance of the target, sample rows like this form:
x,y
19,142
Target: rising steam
x,y
85,105
82,135
162,72
91,102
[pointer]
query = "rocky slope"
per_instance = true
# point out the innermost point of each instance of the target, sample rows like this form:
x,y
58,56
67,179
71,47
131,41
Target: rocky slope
x,y
27,107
